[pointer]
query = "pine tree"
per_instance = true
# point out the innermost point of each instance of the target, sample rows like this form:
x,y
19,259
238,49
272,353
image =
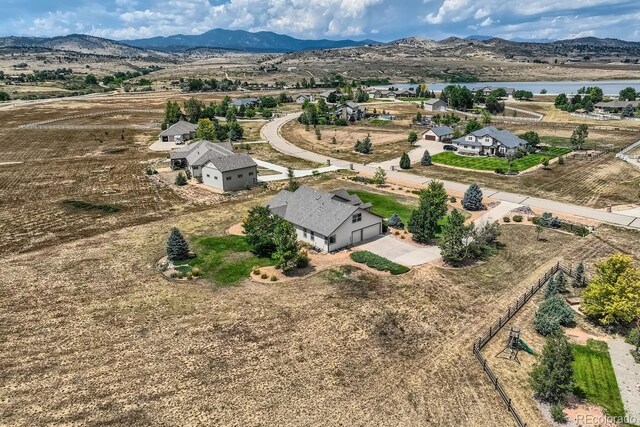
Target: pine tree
x,y
405,161
426,159
472,200
181,179
432,208
561,282
552,377
452,244
177,246
395,221
551,288
578,276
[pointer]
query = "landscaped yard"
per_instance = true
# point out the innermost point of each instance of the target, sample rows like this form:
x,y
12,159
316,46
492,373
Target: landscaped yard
x,y
493,163
386,205
595,378
379,263
225,260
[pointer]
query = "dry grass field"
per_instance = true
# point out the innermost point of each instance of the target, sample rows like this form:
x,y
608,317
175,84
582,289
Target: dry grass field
x,y
94,337
389,140
595,183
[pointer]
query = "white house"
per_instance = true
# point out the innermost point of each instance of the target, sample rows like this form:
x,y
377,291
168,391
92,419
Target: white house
x,y
184,130
435,104
327,221
438,133
303,97
489,141
216,165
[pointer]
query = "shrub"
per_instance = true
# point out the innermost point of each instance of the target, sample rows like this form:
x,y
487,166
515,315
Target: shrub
x,y
181,179
453,199
256,272
500,171
196,271
633,337
273,278
174,275
550,221
302,260
379,263
551,315
557,413
264,276
517,218
561,160
189,275
151,171
506,219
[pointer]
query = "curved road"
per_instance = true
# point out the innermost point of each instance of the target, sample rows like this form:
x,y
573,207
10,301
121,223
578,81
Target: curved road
x,y
271,133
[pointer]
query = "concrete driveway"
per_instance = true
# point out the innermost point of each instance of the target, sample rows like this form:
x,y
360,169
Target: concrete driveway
x,y
400,252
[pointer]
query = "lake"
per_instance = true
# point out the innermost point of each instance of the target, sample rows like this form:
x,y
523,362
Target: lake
x,y
609,87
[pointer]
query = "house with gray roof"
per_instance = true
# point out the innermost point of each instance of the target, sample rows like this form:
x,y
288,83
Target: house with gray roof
x,y
216,165
328,221
184,130
489,141
350,111
435,104
486,90
438,133
615,106
246,102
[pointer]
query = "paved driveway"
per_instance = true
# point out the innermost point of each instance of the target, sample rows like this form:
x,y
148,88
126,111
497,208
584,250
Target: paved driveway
x,y
628,376
400,252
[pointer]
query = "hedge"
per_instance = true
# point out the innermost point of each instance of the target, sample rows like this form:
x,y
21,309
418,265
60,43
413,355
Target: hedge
x,y
379,263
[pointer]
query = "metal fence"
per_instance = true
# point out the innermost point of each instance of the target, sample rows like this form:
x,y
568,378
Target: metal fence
x,y
495,328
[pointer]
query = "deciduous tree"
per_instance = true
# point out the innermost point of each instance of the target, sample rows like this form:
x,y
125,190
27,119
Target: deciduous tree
x,y
552,376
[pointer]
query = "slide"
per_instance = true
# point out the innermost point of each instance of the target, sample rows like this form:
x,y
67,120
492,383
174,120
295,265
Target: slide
x,y
525,347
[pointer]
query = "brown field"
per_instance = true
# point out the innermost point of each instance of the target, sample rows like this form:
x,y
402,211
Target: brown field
x,y
268,154
595,183
552,114
389,141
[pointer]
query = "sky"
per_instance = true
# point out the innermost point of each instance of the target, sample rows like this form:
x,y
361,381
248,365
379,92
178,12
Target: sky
x,y
381,20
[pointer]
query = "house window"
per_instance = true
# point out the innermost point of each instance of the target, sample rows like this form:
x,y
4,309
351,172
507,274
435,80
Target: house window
x,y
195,167
356,218
215,177
228,178
304,233
208,176
239,175
250,173
332,239
312,235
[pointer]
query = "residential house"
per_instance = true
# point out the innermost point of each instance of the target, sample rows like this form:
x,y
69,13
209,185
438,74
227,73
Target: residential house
x,y
183,130
486,90
405,93
303,97
327,220
217,165
327,94
615,106
436,104
489,141
350,111
381,94
247,102
438,133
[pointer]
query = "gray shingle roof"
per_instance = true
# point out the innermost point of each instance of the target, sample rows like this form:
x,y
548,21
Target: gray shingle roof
x,y
433,101
206,152
312,209
179,128
232,162
442,130
197,147
505,137
245,101
618,104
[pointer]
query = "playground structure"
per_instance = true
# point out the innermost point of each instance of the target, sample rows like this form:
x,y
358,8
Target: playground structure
x,y
514,345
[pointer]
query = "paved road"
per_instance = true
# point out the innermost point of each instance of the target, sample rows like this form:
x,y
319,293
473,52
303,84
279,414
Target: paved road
x,y
284,172
271,133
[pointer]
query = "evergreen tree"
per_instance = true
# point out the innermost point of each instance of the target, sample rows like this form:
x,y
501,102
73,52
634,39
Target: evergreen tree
x,y
293,184
405,161
395,221
426,159
181,179
578,276
286,245
177,246
193,109
561,282
432,208
453,243
380,177
627,111
551,288
206,130
413,137
552,377
472,200
552,314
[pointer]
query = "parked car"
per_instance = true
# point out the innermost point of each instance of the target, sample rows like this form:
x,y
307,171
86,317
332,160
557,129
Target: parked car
x,y
449,147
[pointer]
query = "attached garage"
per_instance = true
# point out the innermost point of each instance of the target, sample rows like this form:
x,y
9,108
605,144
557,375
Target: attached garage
x,y
429,137
365,233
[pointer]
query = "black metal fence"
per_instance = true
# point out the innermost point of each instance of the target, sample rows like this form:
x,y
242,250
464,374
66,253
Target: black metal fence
x,y
495,328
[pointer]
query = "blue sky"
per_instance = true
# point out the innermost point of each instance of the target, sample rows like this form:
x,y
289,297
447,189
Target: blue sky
x,y
382,20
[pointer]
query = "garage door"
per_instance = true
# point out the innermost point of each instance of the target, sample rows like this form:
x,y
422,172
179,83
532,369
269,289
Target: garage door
x,y
365,233
430,137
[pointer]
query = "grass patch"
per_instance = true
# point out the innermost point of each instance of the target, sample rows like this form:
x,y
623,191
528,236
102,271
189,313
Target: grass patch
x,y
379,263
595,378
386,205
493,163
88,206
556,141
226,260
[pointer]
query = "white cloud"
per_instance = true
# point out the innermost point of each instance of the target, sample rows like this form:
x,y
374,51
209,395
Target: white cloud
x,y
481,13
487,22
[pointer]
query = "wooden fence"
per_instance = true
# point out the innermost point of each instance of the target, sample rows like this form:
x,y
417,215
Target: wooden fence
x,y
495,328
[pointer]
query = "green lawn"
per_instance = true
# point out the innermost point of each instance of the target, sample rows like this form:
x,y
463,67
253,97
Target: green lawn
x,y
493,163
225,260
556,141
595,378
387,205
